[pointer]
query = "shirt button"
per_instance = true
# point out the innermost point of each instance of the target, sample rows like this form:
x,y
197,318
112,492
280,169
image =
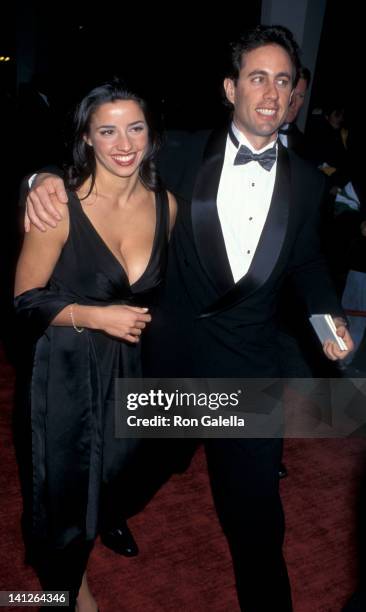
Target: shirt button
x,y
248,252
250,218
253,184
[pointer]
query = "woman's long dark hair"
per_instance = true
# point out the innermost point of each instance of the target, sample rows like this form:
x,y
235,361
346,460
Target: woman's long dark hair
x,y
83,158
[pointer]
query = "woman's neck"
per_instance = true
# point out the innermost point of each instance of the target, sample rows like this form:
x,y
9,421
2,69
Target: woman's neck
x,y
117,189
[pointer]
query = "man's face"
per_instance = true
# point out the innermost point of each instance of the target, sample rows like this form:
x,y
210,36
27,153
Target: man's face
x,y
297,100
261,94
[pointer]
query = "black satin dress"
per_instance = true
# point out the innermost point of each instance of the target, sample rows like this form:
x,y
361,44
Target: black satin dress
x,y
70,399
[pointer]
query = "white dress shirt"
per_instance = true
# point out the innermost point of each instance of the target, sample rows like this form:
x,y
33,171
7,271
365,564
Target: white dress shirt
x,y
243,201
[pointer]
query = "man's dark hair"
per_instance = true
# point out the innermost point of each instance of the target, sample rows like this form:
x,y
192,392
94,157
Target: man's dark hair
x,y
83,157
261,36
304,73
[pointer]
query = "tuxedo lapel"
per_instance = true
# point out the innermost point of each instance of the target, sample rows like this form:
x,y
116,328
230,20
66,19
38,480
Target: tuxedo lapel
x,y
269,246
208,237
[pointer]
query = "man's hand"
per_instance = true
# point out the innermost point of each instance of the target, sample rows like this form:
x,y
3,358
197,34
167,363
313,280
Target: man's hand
x,y
39,207
331,348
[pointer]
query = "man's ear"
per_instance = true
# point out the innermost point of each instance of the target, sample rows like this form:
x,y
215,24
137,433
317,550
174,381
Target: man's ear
x,y
229,87
291,97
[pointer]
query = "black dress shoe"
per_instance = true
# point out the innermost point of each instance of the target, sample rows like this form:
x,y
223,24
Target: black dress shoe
x,y
282,472
120,540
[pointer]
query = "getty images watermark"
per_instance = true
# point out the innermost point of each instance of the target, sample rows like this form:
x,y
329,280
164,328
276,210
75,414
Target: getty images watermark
x,y
238,408
184,401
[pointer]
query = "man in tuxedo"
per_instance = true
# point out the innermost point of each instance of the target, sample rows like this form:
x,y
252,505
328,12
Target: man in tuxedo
x,y
251,222
289,133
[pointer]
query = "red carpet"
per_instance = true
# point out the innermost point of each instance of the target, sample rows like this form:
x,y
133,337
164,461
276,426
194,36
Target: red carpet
x,y
184,562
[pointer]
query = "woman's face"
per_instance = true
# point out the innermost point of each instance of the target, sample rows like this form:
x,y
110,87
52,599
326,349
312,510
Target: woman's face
x,y
119,136
336,118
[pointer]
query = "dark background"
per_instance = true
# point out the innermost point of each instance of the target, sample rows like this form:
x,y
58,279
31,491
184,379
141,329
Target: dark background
x,y
174,54
177,52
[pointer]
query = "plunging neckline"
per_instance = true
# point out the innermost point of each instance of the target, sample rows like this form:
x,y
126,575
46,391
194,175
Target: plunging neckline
x,y
109,250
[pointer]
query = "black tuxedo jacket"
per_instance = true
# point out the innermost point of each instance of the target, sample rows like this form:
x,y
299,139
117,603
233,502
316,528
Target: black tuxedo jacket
x,y
206,325
297,142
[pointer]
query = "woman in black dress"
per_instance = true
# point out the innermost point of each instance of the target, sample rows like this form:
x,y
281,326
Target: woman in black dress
x,y
84,292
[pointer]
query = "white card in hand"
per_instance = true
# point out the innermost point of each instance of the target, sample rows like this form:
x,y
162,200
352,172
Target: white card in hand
x,y
325,329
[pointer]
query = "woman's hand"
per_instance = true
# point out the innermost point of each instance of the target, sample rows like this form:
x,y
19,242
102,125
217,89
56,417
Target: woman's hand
x,y
124,322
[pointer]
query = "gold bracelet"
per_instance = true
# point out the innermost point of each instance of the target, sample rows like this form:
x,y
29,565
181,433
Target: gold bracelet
x,y
78,329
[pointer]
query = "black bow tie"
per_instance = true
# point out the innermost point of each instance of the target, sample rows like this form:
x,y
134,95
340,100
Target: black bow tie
x,y
245,155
